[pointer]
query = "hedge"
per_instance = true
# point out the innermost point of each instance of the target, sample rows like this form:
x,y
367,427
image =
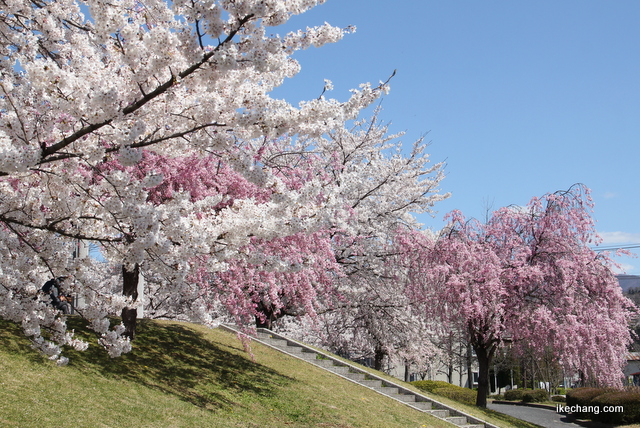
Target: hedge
x,y
583,396
594,400
459,394
445,389
526,395
430,385
535,396
513,395
630,402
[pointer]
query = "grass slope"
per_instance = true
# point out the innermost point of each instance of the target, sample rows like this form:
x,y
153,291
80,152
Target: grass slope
x,y
183,375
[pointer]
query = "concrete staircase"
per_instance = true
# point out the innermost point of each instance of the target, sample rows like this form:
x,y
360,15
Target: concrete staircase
x,y
354,374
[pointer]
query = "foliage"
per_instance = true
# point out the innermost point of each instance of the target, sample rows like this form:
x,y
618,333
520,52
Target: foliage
x,y
583,395
430,385
445,389
371,316
535,396
526,395
528,275
539,364
559,398
514,394
594,400
628,399
457,393
149,129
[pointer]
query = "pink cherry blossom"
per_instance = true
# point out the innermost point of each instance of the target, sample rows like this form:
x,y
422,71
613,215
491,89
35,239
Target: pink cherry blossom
x,y
529,277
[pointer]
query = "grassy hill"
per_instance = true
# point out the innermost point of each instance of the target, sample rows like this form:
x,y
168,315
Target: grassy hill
x,y
185,375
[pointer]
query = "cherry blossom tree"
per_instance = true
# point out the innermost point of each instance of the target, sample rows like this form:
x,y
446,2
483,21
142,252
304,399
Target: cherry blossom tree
x,y
90,91
529,275
376,188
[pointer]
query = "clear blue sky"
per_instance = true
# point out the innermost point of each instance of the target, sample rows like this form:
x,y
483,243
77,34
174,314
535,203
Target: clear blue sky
x,y
520,98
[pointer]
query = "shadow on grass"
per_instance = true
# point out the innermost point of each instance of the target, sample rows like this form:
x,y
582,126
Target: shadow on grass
x,y
12,340
173,359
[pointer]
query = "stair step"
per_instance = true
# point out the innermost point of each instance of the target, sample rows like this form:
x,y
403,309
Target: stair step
x,y
457,420
371,383
311,356
388,390
339,369
280,343
322,362
442,414
292,349
422,405
407,398
400,394
355,376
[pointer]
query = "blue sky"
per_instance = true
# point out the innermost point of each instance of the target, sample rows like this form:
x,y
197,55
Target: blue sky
x,y
520,98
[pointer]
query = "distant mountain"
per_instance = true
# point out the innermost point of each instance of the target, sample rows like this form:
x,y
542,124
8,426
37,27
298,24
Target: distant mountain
x,y
628,281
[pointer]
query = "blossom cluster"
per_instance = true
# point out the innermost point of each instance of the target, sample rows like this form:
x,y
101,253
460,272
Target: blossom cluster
x,y
148,129
530,277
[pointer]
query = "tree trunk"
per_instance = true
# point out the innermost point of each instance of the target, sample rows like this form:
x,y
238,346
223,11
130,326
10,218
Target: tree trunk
x,y
459,359
263,324
378,358
269,316
130,280
485,356
469,368
406,371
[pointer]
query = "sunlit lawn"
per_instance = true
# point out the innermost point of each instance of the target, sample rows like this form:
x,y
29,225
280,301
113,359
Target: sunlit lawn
x,y
183,375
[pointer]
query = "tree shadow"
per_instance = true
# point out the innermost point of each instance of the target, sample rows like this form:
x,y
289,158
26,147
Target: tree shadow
x,y
13,340
180,361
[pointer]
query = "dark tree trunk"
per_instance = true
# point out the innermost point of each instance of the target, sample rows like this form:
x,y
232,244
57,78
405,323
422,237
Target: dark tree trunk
x,y
263,324
469,367
460,363
268,313
450,356
130,280
406,371
378,358
485,356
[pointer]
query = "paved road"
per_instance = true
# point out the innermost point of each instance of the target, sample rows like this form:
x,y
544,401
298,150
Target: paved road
x,y
543,417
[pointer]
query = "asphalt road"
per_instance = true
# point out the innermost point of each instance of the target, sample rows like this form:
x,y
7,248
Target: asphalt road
x,y
544,417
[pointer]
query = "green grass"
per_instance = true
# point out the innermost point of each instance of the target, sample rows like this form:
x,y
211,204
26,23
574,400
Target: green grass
x,y
183,375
